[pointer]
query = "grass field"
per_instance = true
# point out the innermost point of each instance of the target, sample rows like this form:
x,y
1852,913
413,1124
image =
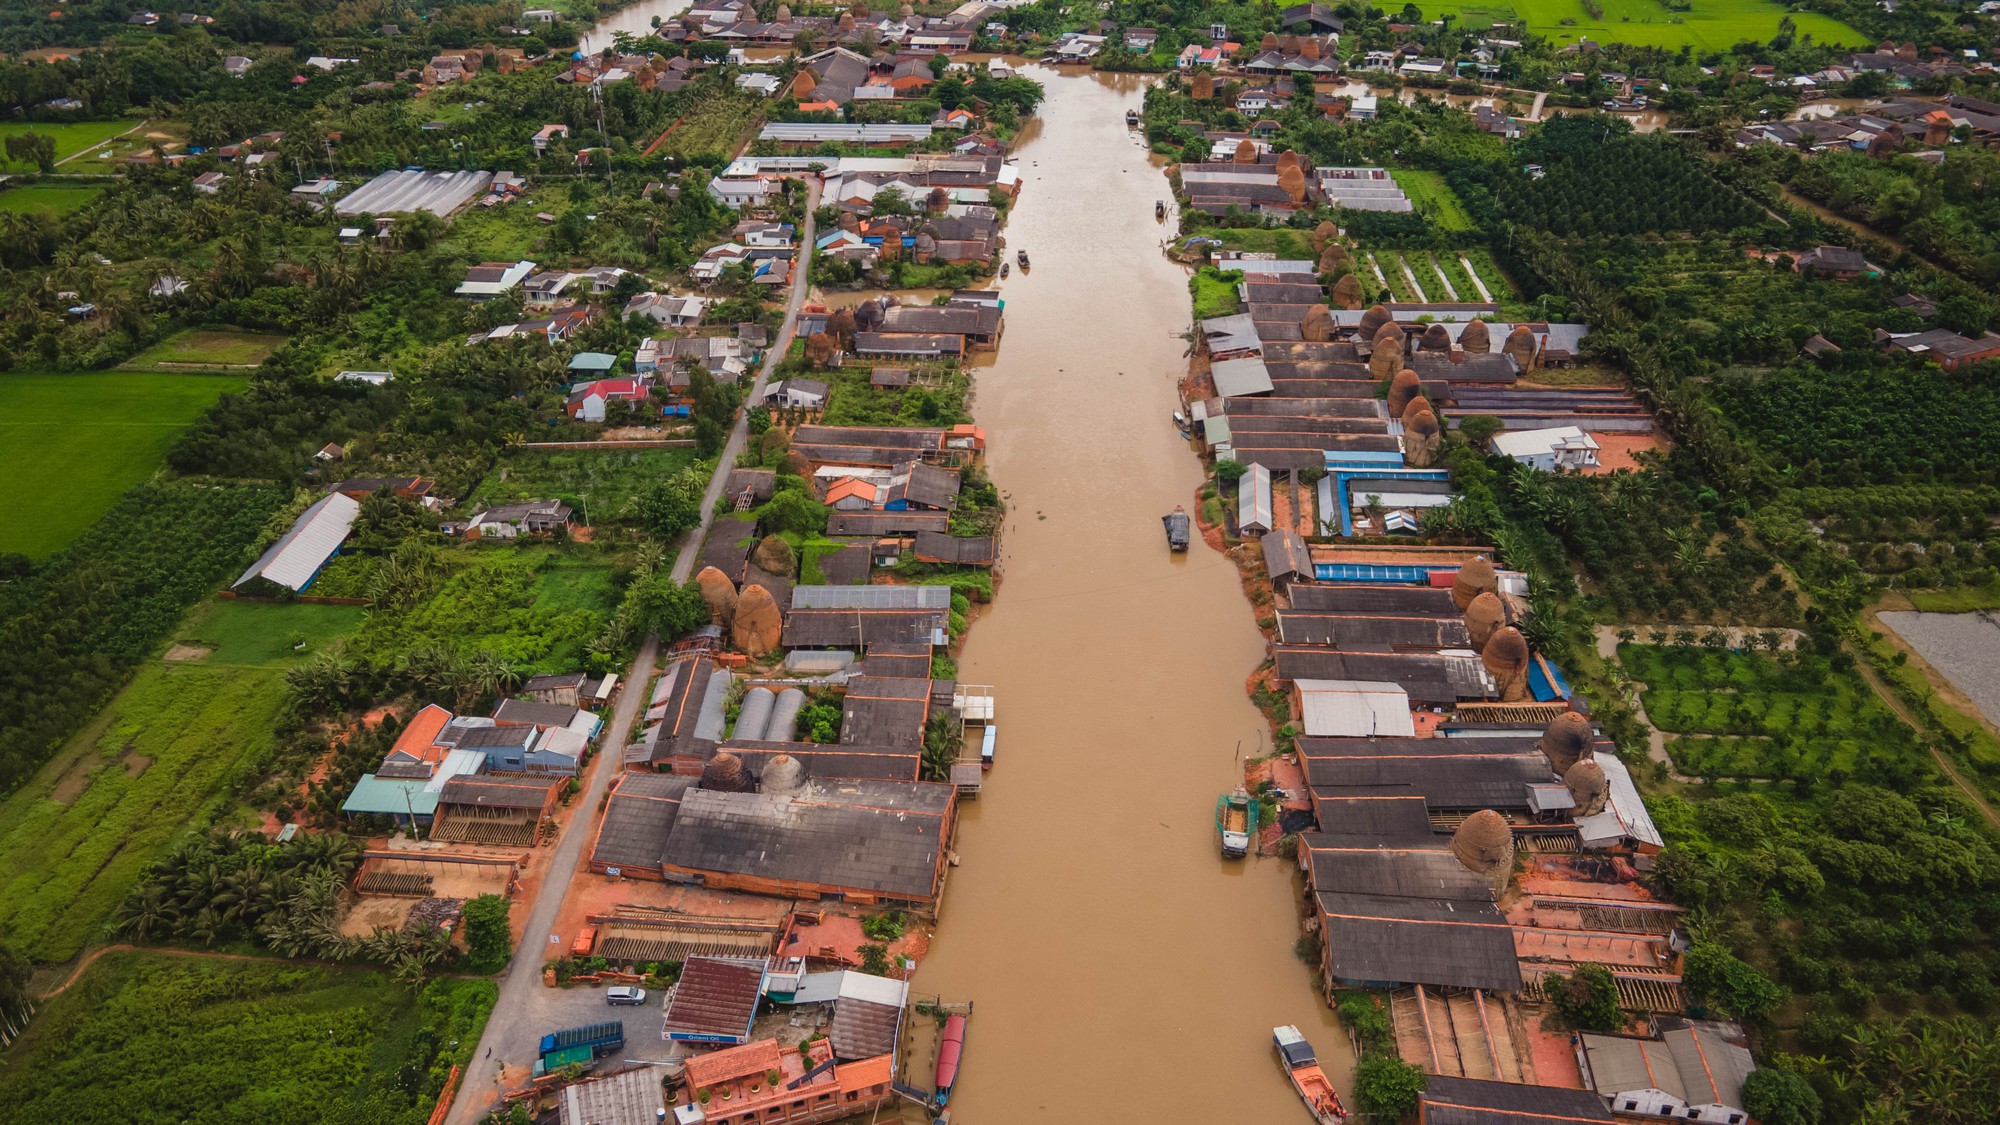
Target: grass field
x,y
717,125
1712,24
1264,240
1958,599
75,443
261,634
152,1037
198,347
71,137
607,481
1214,295
536,607
163,760
508,233
1433,198
53,200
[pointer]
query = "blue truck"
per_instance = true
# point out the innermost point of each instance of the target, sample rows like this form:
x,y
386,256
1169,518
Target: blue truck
x,y
601,1038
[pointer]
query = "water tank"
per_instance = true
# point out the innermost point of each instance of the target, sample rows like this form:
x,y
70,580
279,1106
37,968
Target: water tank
x,y
756,713
785,716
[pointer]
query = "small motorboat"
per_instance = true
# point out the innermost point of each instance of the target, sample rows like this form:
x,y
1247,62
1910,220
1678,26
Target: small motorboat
x,y
1159,208
1177,524
1021,258
1004,267
951,1046
1296,1055
1131,119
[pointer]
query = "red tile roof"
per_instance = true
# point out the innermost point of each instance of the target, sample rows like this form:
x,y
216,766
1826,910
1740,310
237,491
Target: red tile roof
x,y
419,739
760,1057
863,1074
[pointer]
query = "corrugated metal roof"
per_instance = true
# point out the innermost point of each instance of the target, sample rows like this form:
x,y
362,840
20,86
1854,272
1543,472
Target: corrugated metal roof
x,y
1450,943
404,190
881,836
1240,377
871,597
1475,1101
1355,708
1253,500
715,999
1624,813
294,560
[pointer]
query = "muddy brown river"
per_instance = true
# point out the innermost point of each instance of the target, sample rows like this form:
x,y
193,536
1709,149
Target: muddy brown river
x,y
1122,971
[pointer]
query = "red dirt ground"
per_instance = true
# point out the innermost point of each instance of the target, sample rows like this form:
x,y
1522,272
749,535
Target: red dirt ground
x,y
1619,451
1554,1058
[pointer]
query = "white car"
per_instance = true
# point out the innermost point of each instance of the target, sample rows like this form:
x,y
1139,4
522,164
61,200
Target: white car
x,y
624,994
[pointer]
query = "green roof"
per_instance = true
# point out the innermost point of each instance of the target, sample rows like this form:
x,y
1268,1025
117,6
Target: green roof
x,y
391,797
592,361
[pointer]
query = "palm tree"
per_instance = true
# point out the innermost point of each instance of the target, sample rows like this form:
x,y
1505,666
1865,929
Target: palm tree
x,y
488,675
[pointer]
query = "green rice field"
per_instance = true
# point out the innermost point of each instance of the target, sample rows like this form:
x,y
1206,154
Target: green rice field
x,y
1433,198
199,347
163,760
1712,24
71,137
53,200
75,443
260,634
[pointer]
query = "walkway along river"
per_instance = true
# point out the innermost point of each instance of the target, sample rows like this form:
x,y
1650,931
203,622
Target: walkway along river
x,y
1122,971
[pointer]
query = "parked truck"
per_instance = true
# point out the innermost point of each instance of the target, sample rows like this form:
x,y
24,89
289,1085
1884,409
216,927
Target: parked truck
x,y
601,1038
556,1060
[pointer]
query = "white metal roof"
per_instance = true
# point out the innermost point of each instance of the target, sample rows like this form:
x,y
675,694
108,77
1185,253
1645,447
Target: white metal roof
x,y
1240,377
871,597
1528,443
293,560
1624,814
457,763
1355,709
1253,502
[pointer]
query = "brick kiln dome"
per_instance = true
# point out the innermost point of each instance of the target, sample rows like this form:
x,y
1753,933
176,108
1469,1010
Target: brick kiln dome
x,y
1588,786
784,776
1483,617
1473,579
1566,740
724,772
1404,387
1485,845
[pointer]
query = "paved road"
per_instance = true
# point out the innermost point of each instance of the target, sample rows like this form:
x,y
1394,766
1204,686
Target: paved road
x,y
514,1028
690,547
512,1032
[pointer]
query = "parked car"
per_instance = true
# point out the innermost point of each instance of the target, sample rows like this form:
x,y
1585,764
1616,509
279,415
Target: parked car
x,y
624,994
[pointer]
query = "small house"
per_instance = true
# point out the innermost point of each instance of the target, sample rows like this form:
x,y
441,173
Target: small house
x,y
803,394
590,401
1836,262
1558,447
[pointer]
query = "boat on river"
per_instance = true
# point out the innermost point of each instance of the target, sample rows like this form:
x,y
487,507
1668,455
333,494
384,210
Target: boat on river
x,y
1003,269
1021,256
1131,119
1296,1055
951,1046
1159,208
1177,525
1235,822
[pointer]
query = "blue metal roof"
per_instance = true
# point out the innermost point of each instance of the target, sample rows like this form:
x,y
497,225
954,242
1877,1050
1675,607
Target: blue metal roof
x,y
1546,687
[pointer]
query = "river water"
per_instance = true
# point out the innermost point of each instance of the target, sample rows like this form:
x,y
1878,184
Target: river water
x,y
1122,971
